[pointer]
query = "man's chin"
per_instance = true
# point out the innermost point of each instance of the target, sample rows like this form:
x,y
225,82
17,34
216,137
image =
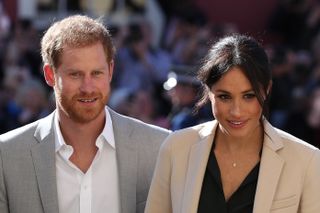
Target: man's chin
x,y
84,119
85,116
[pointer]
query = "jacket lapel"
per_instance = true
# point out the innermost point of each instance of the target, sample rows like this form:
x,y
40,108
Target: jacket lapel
x,y
270,170
127,162
198,158
43,155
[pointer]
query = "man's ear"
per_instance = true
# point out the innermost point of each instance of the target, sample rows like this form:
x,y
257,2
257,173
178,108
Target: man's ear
x,y
49,75
111,67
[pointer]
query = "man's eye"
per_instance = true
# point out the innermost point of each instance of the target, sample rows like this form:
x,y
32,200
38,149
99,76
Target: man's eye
x,y
96,73
75,75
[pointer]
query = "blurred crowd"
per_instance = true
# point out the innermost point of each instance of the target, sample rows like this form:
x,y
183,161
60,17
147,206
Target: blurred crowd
x,y
155,82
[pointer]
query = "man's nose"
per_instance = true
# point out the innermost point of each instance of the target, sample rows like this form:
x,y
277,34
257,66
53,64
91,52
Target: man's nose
x,y
87,85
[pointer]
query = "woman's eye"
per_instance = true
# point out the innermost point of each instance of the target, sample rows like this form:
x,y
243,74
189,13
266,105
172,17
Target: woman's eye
x,y
249,96
224,97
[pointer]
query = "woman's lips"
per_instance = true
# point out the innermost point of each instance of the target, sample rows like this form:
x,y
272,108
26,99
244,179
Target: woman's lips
x,y
236,124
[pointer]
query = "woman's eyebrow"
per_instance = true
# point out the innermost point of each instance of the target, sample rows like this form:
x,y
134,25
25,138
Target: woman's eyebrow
x,y
225,91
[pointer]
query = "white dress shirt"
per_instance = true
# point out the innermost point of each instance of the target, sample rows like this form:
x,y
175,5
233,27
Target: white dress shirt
x,y
95,191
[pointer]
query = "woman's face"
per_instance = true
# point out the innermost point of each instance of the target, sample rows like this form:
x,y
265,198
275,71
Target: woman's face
x,y
235,105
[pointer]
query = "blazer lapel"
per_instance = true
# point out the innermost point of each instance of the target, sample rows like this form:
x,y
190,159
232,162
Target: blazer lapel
x,y
199,155
43,155
270,170
127,162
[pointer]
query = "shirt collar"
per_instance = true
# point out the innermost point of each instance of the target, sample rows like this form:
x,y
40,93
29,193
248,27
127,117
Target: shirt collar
x,y
59,141
107,132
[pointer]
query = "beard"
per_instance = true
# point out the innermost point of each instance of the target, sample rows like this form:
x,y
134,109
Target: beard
x,y
79,113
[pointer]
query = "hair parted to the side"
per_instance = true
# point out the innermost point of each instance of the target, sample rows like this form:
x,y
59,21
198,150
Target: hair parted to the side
x,y
237,51
74,31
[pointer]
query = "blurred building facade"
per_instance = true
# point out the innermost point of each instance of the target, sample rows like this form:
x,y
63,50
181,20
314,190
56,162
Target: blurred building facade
x,y
154,36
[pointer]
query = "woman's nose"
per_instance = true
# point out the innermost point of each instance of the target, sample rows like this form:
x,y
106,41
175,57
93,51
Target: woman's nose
x,y
235,109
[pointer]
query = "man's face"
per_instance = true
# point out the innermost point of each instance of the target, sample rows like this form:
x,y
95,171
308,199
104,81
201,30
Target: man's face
x,y
82,83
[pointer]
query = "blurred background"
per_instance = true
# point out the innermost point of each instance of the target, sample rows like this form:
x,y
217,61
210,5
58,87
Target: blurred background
x,y
160,45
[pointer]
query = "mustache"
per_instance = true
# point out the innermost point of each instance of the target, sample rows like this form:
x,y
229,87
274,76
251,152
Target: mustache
x,y
87,95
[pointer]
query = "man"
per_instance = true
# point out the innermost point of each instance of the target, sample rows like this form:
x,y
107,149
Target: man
x,y
84,157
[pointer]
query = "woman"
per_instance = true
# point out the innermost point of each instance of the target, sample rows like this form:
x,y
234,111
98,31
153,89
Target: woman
x,y
237,162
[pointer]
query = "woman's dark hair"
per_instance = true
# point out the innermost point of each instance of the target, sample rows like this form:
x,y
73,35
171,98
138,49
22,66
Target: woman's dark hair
x,y
237,51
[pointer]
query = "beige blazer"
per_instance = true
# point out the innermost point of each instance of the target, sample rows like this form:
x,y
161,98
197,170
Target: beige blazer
x,y
289,176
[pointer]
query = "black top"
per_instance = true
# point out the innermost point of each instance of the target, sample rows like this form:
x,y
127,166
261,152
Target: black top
x,y
212,197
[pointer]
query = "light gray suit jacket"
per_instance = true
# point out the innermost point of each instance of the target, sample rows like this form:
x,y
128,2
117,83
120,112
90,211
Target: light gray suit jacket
x,y
28,172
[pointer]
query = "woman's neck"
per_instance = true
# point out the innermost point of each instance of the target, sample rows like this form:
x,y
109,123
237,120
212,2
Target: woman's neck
x,y
232,144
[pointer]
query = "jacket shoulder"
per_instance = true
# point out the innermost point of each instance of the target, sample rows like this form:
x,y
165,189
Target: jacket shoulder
x,y
19,133
27,134
189,136
139,125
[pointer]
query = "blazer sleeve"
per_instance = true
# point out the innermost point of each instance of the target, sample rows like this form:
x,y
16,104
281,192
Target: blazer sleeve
x,y
310,199
159,197
3,193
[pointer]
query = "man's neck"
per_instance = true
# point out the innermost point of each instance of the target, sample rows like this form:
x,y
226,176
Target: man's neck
x,y
81,135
